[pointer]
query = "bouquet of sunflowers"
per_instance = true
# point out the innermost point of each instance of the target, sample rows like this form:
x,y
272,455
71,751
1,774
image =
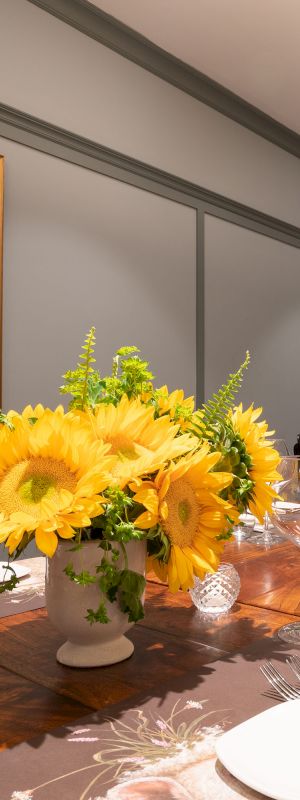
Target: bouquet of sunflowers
x,y
128,462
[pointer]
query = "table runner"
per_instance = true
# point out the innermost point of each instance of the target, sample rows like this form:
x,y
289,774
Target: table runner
x,y
137,750
30,591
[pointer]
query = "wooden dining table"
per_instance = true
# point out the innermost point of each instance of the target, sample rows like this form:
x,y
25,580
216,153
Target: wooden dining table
x,y
38,694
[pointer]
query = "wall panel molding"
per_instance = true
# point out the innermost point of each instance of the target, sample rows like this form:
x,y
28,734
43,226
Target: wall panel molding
x,y
112,33
40,135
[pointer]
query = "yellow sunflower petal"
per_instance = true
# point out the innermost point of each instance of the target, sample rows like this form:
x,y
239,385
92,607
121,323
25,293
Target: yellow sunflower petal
x,y
50,471
191,517
265,459
146,521
46,542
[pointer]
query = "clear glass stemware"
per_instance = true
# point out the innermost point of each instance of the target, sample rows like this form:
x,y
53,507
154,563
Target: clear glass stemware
x,y
245,526
270,535
286,517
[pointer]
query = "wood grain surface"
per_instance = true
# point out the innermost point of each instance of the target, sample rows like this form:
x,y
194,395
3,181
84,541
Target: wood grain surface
x,y
269,578
173,640
28,709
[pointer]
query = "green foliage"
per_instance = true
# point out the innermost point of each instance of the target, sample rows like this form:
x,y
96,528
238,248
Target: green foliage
x,y
124,586
83,578
131,587
226,534
13,581
109,579
213,424
130,376
158,544
83,382
121,585
180,413
217,408
100,615
235,459
116,523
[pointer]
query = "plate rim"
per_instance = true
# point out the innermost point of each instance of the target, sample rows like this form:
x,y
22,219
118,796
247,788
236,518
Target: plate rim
x,y
277,710
18,567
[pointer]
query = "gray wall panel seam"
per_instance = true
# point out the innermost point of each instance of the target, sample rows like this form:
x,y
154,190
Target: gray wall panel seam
x,y
200,308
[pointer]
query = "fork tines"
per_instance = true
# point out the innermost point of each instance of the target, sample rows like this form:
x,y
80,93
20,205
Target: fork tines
x,y
282,686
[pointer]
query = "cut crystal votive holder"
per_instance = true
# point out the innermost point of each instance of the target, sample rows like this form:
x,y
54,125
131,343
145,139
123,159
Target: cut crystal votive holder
x,y
217,593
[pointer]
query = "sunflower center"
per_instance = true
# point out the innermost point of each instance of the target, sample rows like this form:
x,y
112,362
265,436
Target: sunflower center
x,y
184,511
25,485
35,488
182,523
123,447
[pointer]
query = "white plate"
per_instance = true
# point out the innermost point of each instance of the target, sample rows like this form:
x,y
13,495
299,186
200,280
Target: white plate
x,y
263,752
6,574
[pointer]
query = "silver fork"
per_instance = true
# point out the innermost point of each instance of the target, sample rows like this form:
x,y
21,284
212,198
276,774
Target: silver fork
x,y
282,686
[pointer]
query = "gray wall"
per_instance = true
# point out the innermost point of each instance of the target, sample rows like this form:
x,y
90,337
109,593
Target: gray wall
x,y
81,249
252,299
56,73
57,225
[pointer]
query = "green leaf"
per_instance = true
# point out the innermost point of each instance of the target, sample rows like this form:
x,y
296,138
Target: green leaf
x,y
126,351
131,588
82,383
100,615
215,410
10,584
130,376
83,578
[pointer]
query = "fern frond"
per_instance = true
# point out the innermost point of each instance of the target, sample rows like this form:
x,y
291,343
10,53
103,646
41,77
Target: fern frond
x,y
82,383
217,408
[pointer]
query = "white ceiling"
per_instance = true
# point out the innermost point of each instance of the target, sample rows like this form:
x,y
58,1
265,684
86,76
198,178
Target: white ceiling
x,y
250,46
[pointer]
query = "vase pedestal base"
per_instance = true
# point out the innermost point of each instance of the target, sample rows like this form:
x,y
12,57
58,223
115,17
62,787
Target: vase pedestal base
x,y
95,655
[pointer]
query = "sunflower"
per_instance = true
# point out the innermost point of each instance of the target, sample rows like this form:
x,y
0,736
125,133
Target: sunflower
x,y
141,443
183,500
179,407
50,479
264,459
32,413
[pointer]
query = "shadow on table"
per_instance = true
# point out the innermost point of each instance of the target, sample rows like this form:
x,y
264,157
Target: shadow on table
x,y
162,665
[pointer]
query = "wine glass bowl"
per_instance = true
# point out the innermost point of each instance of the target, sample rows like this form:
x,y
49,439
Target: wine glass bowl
x,y
286,517
269,533
285,514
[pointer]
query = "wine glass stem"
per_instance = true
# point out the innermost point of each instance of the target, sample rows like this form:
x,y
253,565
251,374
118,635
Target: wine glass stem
x,y
267,534
266,521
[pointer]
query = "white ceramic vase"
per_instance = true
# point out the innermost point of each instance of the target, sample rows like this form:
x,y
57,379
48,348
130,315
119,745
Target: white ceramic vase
x,y
67,603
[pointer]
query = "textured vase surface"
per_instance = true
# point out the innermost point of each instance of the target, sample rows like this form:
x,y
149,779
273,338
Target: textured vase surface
x,y
67,602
